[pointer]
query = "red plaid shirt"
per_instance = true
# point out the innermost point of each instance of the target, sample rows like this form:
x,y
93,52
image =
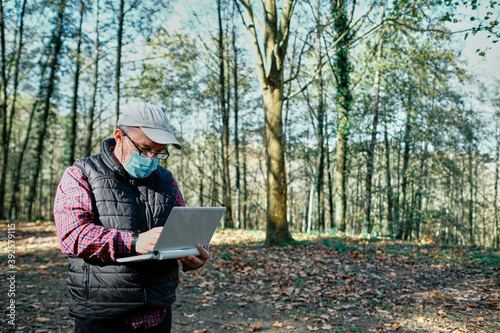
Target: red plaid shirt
x,y
78,235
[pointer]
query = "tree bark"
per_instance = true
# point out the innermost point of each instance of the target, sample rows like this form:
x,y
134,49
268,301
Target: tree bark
x,y
57,41
356,205
470,215
90,116
344,101
310,210
390,193
201,183
215,169
3,111
74,103
330,182
121,19
404,227
320,184
277,225
226,180
245,183
496,234
420,195
239,194
397,213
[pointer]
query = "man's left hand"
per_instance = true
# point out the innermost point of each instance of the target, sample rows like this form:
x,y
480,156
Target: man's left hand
x,y
190,263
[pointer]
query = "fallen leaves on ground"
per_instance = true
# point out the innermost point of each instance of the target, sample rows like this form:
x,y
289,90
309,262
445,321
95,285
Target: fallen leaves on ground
x,y
327,283
319,284
255,327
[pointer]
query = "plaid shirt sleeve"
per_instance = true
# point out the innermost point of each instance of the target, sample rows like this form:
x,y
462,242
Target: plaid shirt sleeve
x,y
179,200
74,218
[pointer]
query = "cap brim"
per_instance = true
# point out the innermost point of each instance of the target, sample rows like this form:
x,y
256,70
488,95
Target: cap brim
x,y
161,136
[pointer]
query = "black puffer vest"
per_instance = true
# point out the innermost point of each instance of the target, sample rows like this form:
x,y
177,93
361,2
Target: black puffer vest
x,y
101,290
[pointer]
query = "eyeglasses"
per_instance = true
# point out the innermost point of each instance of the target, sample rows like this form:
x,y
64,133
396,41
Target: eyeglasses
x,y
163,155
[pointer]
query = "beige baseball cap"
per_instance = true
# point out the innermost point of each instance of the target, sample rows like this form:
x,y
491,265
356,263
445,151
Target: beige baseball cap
x,y
152,120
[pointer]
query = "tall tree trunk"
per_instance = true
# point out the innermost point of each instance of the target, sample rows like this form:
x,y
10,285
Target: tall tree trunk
x,y
87,151
390,193
57,41
215,170
462,204
52,186
74,103
270,71
380,206
404,227
368,225
356,206
449,208
331,223
344,101
226,180
276,188
421,186
200,187
475,220
121,19
310,210
3,112
306,216
483,217
239,194
320,184
199,165
245,183
496,233
471,196
397,213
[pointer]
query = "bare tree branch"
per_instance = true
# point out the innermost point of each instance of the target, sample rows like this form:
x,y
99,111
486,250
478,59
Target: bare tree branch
x,y
261,70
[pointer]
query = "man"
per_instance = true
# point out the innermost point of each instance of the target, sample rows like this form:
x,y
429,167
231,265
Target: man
x,y
115,204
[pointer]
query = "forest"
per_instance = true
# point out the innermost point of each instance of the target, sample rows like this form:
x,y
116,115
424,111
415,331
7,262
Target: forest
x,y
342,117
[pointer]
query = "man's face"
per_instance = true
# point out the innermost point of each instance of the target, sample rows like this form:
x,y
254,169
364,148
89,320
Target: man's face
x,y
124,145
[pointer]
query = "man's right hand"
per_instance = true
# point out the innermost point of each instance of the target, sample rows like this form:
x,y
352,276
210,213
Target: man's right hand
x,y
146,241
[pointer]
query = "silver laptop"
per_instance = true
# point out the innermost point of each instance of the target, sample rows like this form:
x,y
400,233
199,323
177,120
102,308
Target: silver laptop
x,y
185,228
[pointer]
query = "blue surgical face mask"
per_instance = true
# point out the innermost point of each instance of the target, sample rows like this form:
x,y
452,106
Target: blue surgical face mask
x,y
140,166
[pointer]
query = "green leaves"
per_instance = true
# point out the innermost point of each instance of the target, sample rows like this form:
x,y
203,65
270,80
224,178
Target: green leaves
x,y
446,18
